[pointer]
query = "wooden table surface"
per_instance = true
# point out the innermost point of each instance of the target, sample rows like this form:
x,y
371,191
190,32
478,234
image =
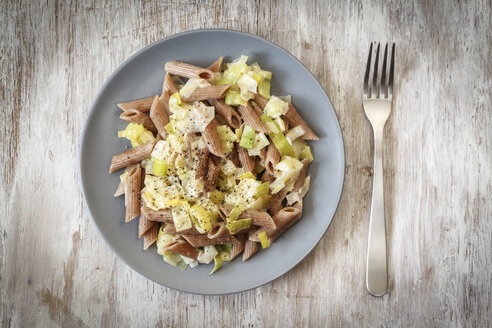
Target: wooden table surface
x,y
55,268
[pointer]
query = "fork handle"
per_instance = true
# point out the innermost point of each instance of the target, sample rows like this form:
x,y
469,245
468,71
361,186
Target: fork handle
x,y
376,268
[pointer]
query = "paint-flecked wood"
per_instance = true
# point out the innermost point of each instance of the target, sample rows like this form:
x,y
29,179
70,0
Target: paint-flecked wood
x,y
56,270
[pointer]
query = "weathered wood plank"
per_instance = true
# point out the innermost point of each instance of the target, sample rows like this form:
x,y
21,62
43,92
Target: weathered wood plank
x,y
55,269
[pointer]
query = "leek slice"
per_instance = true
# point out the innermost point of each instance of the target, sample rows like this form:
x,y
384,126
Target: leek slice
x,y
282,144
248,137
247,175
233,98
201,218
262,189
235,226
265,242
226,137
306,153
123,177
159,167
269,123
217,197
225,256
207,255
264,88
181,217
234,71
276,107
170,127
134,132
218,263
247,86
175,260
236,211
295,133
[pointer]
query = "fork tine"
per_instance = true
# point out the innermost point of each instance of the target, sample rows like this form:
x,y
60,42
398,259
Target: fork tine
x,y
375,81
366,76
384,85
392,71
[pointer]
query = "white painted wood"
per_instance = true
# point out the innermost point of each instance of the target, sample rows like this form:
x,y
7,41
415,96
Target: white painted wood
x,y
56,270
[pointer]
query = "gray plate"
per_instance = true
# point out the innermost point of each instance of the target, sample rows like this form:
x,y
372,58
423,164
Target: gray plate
x,y
142,76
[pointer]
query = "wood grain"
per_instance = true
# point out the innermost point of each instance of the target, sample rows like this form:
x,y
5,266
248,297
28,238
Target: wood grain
x,y
56,270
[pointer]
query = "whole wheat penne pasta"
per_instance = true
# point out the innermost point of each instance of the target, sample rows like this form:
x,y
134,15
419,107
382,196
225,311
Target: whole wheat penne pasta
x,y
251,118
203,155
257,108
233,157
216,66
258,218
250,249
282,218
169,229
189,71
219,229
272,157
164,215
228,113
295,119
267,177
143,224
260,101
302,176
131,156
280,231
237,248
181,247
135,116
203,240
150,236
159,116
169,85
208,93
276,202
165,101
212,139
142,105
262,156
212,175
132,192
247,162
120,190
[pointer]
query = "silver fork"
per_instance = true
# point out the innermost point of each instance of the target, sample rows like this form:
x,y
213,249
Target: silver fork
x,y
377,102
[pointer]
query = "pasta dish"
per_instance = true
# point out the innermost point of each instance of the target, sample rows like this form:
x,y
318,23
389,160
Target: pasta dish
x,y
218,166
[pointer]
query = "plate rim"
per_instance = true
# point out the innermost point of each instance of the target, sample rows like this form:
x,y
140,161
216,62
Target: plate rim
x,y
91,113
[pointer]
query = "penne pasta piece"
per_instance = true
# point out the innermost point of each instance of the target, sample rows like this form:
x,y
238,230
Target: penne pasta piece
x,y
189,71
212,139
302,176
267,177
262,157
228,113
120,190
280,231
258,218
247,162
164,215
281,219
203,240
276,202
142,105
169,85
272,157
143,224
135,116
257,108
165,101
260,101
132,156
159,116
251,118
237,248
202,166
219,229
233,157
181,247
294,119
132,192
250,249
150,236
212,175
208,93
216,66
